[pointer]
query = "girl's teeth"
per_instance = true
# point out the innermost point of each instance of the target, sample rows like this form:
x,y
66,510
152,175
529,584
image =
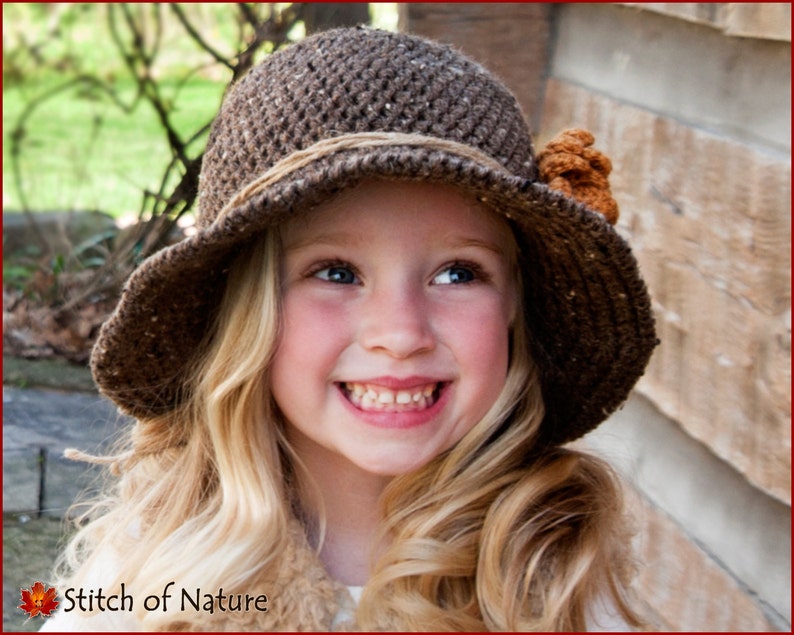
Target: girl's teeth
x,y
382,399
386,397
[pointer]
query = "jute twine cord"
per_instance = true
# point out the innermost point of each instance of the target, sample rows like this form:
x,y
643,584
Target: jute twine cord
x,y
354,141
567,164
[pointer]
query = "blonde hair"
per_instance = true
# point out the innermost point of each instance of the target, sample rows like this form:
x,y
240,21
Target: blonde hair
x,y
497,533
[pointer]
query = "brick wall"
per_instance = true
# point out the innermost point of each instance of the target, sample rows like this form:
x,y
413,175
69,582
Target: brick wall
x,y
692,103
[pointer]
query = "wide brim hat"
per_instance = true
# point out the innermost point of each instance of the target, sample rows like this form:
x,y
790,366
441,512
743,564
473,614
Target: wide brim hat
x,y
350,104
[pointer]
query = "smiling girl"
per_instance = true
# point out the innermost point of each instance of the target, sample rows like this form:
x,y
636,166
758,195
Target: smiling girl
x,y
354,384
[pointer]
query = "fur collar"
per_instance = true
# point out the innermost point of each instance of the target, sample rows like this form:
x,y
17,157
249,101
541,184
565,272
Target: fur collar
x,y
303,597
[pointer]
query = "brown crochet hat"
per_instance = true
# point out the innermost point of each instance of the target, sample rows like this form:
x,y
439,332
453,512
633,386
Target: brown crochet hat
x,y
348,104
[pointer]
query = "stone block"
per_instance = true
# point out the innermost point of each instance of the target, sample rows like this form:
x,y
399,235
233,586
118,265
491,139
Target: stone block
x,y
709,220
739,87
65,482
710,13
761,20
35,420
683,589
20,481
744,532
768,20
69,482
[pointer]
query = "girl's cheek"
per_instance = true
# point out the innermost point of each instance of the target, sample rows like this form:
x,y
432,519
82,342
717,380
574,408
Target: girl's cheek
x,y
490,310
482,328
313,315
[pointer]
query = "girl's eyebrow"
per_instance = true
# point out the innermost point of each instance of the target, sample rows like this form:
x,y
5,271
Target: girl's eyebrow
x,y
344,239
468,241
333,238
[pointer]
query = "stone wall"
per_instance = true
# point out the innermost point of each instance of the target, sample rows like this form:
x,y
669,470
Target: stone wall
x,y
692,102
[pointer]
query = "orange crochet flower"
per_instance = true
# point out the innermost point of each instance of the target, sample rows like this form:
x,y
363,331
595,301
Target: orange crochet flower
x,y
569,165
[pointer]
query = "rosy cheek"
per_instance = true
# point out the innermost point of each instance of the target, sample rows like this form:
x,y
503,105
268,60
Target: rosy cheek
x,y
309,322
480,331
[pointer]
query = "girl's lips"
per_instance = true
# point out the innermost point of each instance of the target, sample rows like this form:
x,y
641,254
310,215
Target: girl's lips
x,y
401,404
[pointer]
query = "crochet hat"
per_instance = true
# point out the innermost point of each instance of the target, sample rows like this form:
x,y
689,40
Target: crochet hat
x,y
349,104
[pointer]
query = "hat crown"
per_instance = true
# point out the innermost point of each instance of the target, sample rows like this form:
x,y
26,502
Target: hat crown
x,y
349,81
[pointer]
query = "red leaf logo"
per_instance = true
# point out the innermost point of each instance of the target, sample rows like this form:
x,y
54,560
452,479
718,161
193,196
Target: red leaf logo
x,y
38,600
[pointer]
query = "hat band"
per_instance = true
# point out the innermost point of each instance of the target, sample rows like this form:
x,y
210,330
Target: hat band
x,y
354,141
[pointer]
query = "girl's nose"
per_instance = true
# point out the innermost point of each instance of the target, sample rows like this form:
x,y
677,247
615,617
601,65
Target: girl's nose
x,y
397,322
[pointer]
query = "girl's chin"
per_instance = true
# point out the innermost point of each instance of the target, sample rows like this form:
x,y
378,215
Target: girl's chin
x,y
391,466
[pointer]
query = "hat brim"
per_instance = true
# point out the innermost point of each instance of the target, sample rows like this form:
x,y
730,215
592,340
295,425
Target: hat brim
x,y
586,307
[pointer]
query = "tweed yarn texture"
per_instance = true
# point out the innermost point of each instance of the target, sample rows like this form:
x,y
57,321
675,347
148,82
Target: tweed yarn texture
x,y
586,306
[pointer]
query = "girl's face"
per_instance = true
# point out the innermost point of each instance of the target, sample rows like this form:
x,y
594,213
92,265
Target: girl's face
x,y
397,300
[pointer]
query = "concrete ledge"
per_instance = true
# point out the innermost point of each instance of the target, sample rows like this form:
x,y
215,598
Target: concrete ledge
x,y
65,482
45,419
681,588
46,373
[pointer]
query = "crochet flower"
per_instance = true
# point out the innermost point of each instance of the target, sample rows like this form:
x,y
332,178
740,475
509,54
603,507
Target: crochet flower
x,y
569,165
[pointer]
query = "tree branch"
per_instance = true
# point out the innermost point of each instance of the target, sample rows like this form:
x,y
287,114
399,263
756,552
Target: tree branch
x,y
196,36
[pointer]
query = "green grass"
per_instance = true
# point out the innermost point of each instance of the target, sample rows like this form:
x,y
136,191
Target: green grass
x,y
84,154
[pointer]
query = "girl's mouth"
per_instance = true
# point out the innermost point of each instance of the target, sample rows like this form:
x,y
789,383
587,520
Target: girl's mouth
x,y
373,398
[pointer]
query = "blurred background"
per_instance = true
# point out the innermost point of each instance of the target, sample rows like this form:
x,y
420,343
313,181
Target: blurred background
x,y
106,110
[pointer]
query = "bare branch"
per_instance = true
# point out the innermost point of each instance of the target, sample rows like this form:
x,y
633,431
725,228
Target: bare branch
x,y
197,36
18,134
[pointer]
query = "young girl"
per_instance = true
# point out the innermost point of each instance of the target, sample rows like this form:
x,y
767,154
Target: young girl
x,y
354,384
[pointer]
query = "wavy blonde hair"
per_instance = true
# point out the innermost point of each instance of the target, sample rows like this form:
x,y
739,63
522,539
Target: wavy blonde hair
x,y
496,533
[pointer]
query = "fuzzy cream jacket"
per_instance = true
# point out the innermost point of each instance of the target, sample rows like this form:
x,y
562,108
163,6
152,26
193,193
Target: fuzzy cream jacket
x,y
302,597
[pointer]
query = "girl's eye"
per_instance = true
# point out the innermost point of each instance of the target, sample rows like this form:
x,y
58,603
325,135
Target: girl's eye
x,y
456,274
338,274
